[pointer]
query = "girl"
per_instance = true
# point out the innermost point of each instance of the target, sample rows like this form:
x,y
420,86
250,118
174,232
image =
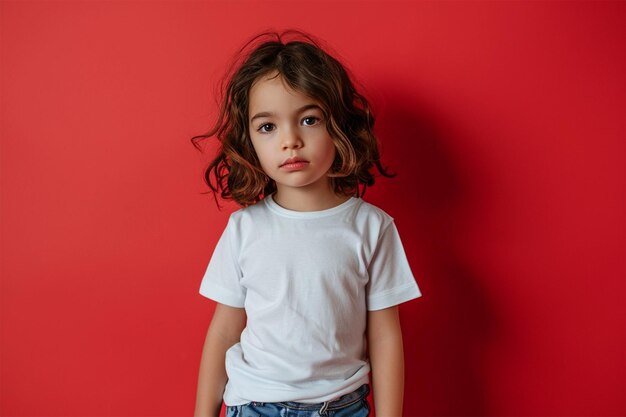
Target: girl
x,y
307,276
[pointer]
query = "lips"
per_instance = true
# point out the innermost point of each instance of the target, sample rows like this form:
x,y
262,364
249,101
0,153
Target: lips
x,y
293,160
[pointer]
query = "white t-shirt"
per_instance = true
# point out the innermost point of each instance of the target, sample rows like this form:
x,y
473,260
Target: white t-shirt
x,y
306,280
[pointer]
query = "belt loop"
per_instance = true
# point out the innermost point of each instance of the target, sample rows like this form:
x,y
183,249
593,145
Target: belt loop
x,y
324,408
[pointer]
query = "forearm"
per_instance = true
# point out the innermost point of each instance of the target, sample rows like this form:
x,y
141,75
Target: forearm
x,y
212,375
386,355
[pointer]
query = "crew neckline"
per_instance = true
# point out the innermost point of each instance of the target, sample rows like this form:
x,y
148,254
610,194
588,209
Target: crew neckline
x,y
273,206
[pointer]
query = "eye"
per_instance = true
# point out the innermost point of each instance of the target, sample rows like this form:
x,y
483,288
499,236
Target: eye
x,y
310,120
266,128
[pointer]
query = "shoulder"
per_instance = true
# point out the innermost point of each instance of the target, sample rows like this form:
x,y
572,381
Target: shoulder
x,y
247,216
373,216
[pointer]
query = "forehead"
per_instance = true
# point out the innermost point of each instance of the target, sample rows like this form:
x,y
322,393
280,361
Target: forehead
x,y
271,93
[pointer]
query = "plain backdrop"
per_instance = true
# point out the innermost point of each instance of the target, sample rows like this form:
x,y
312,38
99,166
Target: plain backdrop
x,y
505,124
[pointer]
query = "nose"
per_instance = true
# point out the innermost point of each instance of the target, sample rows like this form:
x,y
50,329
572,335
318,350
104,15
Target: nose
x,y
290,139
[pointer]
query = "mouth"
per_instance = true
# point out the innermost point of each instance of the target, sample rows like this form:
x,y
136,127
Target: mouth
x,y
294,164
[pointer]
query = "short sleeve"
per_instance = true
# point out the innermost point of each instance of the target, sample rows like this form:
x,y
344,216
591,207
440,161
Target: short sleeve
x,y
221,281
391,281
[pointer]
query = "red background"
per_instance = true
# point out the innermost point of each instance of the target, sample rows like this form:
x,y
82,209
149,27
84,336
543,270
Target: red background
x,y
504,121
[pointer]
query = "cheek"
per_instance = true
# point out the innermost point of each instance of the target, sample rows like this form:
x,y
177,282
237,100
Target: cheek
x,y
256,148
331,151
262,155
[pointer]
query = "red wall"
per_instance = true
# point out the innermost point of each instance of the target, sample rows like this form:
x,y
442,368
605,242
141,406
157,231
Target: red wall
x,y
505,123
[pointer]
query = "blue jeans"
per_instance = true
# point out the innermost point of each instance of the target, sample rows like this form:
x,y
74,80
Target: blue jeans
x,y
353,404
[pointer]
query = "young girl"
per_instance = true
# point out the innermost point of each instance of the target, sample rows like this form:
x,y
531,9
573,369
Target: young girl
x,y
307,276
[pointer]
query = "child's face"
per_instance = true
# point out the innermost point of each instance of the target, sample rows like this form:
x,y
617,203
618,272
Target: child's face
x,y
286,124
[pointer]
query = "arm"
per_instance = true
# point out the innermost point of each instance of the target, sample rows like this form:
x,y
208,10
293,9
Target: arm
x,y
224,331
384,339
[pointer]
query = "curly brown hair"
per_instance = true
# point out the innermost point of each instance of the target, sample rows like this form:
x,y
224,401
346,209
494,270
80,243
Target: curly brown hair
x,y
236,173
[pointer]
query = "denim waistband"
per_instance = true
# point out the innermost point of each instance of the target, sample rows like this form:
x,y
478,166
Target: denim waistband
x,y
341,402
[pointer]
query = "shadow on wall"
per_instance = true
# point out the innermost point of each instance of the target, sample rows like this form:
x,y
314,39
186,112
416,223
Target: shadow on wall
x,y
448,333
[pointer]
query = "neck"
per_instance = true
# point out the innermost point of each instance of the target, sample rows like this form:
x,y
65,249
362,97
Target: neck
x,y
308,199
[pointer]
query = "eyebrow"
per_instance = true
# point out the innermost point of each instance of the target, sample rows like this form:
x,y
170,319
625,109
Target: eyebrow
x,y
300,110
